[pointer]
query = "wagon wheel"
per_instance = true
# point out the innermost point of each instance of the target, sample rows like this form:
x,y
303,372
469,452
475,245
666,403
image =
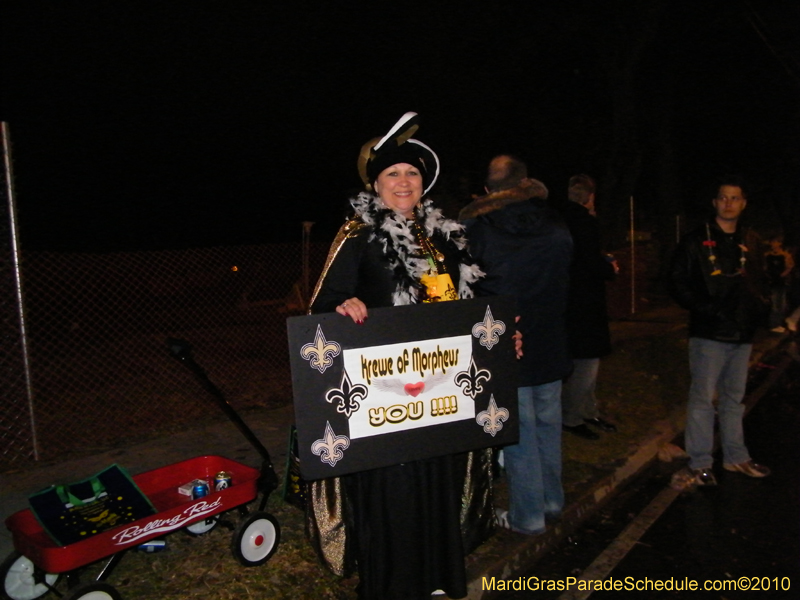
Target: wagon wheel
x,y
98,590
256,539
204,526
22,580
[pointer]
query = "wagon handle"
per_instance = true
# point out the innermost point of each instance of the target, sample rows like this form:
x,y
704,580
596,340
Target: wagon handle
x,y
181,350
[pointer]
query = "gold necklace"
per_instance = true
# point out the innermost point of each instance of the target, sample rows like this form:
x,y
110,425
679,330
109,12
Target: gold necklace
x,y
434,256
715,270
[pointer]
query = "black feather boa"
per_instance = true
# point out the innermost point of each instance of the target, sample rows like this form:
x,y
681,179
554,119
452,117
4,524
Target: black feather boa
x,y
402,250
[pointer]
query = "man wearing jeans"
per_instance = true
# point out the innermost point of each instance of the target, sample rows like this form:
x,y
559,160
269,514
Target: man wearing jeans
x,y
717,275
525,250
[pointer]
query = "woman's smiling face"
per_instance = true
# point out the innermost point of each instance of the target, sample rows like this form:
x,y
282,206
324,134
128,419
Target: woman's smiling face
x,y
400,188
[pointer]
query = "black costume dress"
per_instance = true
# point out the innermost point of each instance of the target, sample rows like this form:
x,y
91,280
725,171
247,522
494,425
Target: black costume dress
x,y
407,526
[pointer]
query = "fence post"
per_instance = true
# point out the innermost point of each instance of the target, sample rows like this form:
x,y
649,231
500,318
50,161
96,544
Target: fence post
x,y
12,216
633,261
306,251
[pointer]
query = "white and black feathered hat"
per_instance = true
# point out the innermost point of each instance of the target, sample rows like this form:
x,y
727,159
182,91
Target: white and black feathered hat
x,y
398,146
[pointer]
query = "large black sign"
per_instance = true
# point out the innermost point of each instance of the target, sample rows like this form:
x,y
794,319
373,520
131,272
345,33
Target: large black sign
x,y
412,382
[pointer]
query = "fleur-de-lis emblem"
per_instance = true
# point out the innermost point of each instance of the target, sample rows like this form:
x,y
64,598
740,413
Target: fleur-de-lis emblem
x,y
492,419
321,352
470,381
489,331
331,447
347,396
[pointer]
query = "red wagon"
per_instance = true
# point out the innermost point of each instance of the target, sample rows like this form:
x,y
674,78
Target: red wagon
x,y
36,566
35,571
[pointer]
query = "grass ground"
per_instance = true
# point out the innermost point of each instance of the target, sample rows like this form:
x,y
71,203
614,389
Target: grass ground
x,y
642,383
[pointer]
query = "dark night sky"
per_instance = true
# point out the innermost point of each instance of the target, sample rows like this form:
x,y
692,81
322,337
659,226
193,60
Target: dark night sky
x,y
174,124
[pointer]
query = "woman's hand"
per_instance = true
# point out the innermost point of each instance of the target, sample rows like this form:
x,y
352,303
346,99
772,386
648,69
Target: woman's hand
x,y
354,308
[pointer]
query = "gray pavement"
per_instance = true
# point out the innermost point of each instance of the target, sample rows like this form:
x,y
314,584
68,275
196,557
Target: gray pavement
x,y
517,554
271,427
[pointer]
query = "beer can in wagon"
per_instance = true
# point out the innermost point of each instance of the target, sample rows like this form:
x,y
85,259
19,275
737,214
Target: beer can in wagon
x,y
199,489
222,481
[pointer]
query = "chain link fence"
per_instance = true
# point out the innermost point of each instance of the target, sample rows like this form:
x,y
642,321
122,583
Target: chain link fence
x,y
96,331
17,437
96,327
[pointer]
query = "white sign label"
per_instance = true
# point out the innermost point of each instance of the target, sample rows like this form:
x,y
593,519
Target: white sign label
x,y
409,385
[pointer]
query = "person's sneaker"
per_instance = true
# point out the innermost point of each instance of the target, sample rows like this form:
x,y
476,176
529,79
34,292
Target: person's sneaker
x,y
749,468
581,430
704,477
601,424
501,515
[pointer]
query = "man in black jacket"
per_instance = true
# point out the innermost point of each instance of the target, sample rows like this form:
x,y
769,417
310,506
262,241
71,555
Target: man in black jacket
x,y
716,274
587,316
524,248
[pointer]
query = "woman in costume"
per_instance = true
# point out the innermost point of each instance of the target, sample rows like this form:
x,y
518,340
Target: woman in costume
x,y
407,526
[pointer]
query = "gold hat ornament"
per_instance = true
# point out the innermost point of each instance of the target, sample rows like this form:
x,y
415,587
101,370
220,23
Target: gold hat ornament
x,y
395,147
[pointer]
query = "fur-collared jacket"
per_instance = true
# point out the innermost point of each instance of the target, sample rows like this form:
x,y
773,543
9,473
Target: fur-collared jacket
x,y
377,258
525,249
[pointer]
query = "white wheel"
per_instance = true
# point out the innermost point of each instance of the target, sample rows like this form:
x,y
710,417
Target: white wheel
x,y
256,539
23,581
98,590
203,526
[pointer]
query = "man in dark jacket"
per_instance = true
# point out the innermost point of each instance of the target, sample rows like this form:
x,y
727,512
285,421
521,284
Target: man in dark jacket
x,y
525,249
587,316
717,275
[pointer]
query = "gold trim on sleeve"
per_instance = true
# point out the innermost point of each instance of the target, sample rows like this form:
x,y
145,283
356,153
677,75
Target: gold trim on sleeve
x,y
348,230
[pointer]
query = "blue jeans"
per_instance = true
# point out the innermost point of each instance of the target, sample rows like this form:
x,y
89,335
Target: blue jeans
x,y
719,367
578,401
533,465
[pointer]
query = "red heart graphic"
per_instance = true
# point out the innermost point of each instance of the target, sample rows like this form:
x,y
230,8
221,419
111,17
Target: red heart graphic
x,y
414,389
